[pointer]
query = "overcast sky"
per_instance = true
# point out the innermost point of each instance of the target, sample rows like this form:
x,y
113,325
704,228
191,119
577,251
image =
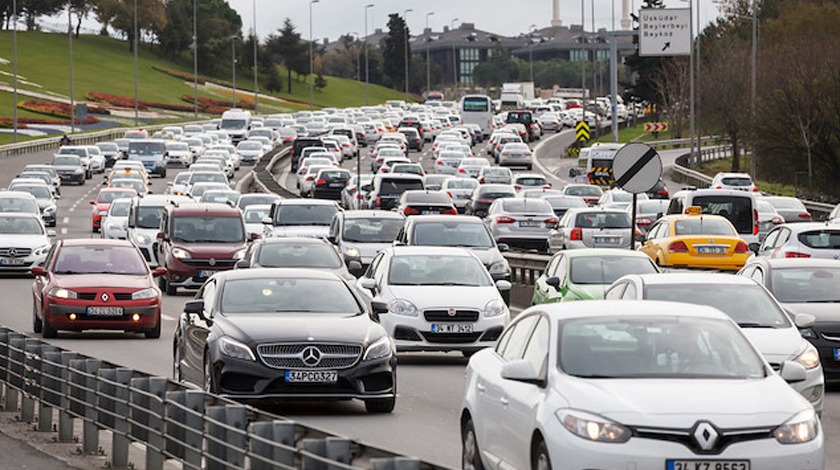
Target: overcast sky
x,y
332,18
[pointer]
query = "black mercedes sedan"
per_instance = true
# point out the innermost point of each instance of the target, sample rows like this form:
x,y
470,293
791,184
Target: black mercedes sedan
x,y
271,334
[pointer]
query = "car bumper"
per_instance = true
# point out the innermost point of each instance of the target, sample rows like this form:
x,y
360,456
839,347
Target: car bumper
x,y
59,317
728,263
188,276
20,264
415,333
72,177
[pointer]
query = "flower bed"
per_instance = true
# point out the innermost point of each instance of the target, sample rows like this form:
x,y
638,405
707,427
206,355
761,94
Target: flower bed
x,y
60,110
210,103
114,100
9,123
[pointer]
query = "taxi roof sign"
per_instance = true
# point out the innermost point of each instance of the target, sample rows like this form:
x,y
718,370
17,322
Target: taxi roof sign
x,y
693,210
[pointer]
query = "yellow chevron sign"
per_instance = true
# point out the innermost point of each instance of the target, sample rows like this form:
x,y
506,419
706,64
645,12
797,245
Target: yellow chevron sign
x,y
582,131
601,176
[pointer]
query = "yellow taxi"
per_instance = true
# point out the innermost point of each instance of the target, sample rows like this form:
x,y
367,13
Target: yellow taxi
x,y
695,240
128,178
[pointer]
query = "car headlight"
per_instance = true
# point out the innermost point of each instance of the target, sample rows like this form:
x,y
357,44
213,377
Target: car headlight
x,y
141,239
78,171
232,348
352,252
147,293
592,427
62,293
49,209
808,333
494,308
103,212
41,250
180,253
802,428
240,254
499,267
383,347
402,307
809,358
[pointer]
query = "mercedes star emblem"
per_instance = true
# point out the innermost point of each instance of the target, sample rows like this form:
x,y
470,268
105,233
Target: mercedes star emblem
x,y
451,312
311,356
12,252
104,297
706,435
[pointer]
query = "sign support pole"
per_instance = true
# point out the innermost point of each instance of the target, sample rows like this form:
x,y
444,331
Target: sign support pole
x,y
633,224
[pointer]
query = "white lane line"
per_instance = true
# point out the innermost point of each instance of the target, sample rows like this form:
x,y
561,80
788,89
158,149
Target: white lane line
x,y
545,171
65,220
167,317
64,231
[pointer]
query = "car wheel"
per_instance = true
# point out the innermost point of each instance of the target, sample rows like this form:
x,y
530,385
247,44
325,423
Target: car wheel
x,y
154,333
176,363
383,405
46,330
541,459
37,324
468,354
470,455
209,378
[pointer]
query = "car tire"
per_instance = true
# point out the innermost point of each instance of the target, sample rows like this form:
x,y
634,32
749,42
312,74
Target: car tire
x,y
381,405
470,455
166,287
176,363
529,167
154,333
47,331
209,381
541,459
37,324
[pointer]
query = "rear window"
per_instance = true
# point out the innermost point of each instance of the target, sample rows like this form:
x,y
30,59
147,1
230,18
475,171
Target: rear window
x,y
738,210
146,148
528,205
602,220
531,181
391,187
304,214
607,269
703,226
736,181
583,191
415,197
825,239
461,183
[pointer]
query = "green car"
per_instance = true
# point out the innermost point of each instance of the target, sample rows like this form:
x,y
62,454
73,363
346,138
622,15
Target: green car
x,y
586,273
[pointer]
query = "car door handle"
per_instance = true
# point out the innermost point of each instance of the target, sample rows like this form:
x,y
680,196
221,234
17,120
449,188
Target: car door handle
x,y
505,401
481,388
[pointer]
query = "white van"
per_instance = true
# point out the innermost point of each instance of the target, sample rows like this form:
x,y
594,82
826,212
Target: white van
x,y
599,163
737,206
236,122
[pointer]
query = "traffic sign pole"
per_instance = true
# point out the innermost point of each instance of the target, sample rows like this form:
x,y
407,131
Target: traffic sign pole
x,y
637,168
633,224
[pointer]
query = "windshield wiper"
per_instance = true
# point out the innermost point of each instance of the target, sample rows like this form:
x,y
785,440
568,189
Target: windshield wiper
x,y
595,376
756,325
819,301
455,284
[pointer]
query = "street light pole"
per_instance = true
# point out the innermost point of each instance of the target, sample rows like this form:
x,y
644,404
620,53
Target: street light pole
x,y
136,92
233,65
405,19
72,99
428,65
583,60
195,63
256,83
753,78
311,81
367,64
14,72
454,60
691,86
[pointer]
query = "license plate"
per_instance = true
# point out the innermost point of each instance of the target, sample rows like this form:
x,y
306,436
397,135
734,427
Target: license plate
x,y
206,273
606,240
837,354
707,464
454,164
11,261
430,212
452,328
105,311
336,185
529,223
311,376
711,250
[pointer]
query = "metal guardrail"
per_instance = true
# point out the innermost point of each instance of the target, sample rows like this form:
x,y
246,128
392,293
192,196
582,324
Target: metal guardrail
x,y
264,178
174,422
525,268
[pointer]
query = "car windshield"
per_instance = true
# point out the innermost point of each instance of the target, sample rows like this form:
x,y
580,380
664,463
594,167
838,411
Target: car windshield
x,y
437,270
565,202
663,347
73,151
704,226
371,229
18,204
20,226
110,196
146,148
100,260
119,208
255,215
806,285
288,295
298,255
222,197
738,209
245,201
178,147
748,305
473,235
602,220
149,217
232,124
461,183
40,192
494,171
607,269
208,229
66,161
208,178
304,214
583,191
249,145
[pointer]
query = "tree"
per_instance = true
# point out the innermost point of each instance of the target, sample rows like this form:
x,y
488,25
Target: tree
x,y
32,9
393,51
644,69
497,69
82,8
288,49
151,16
176,36
671,82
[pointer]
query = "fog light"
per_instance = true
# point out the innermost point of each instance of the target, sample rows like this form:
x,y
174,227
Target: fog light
x,y
72,317
136,317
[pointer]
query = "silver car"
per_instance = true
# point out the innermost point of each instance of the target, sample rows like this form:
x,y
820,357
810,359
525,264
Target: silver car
x,y
495,174
801,240
472,166
115,223
448,162
516,154
591,227
521,222
24,241
460,190
773,331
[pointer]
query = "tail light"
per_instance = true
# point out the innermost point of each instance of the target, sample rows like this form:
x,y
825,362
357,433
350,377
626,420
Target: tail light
x,y
755,189
461,170
321,181
451,211
347,145
310,178
804,215
505,153
481,181
551,221
503,219
302,171
546,186
742,247
378,201
794,254
449,194
644,221
384,169
577,234
484,201
517,187
439,162
410,211
678,247
755,221
379,160
718,187
360,196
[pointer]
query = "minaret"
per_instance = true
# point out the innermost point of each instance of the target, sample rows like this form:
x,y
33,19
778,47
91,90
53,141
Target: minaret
x,y
625,14
555,14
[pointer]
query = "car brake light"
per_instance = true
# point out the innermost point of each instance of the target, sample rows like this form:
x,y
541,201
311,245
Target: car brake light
x,y
718,187
310,178
546,186
755,189
481,180
517,187
503,219
410,211
742,247
378,201
449,194
755,221
678,247
302,171
439,162
663,192
461,170
551,221
450,212
643,221
321,181
384,169
484,201
804,215
793,254
577,234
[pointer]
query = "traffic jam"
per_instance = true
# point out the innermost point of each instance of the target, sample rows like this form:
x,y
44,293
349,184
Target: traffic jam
x,y
685,330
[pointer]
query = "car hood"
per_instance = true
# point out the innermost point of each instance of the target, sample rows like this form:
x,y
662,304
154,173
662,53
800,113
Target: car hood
x,y
288,327
823,311
24,241
311,231
211,250
103,281
446,296
776,344
662,402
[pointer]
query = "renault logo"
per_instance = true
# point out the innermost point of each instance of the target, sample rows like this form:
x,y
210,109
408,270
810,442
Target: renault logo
x,y
212,261
311,356
705,435
104,297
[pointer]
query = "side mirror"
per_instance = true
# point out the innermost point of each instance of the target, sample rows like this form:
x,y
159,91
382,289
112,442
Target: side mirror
x,y
242,264
92,202
792,372
503,247
503,285
659,215
754,247
368,283
160,236
266,220
38,271
521,370
379,307
554,282
194,307
51,233
255,236
804,320
159,271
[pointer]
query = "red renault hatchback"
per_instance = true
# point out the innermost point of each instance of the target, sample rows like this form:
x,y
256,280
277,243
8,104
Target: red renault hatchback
x,y
95,284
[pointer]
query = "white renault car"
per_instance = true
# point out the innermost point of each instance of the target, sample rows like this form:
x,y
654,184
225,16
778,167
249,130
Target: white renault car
x,y
633,385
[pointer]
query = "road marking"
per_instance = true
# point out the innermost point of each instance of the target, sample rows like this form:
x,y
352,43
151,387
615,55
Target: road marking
x,y
545,171
65,220
167,317
64,231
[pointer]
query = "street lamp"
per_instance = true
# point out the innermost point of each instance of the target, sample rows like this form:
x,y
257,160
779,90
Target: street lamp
x,y
752,91
233,65
405,19
256,83
136,92
367,67
14,72
428,40
195,63
454,60
311,81
72,99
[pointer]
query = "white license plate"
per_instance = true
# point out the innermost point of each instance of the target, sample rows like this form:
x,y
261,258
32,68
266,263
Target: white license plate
x,y
11,261
452,328
311,376
206,273
105,311
711,250
606,240
430,212
707,464
336,185
529,223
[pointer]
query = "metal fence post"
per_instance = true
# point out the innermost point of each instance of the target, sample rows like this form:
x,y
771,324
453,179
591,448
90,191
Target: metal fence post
x,y
227,438
185,426
83,397
13,369
272,441
332,448
113,411
397,463
147,412
32,370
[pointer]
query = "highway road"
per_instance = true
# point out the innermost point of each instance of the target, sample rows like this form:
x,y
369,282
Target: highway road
x,y
430,386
